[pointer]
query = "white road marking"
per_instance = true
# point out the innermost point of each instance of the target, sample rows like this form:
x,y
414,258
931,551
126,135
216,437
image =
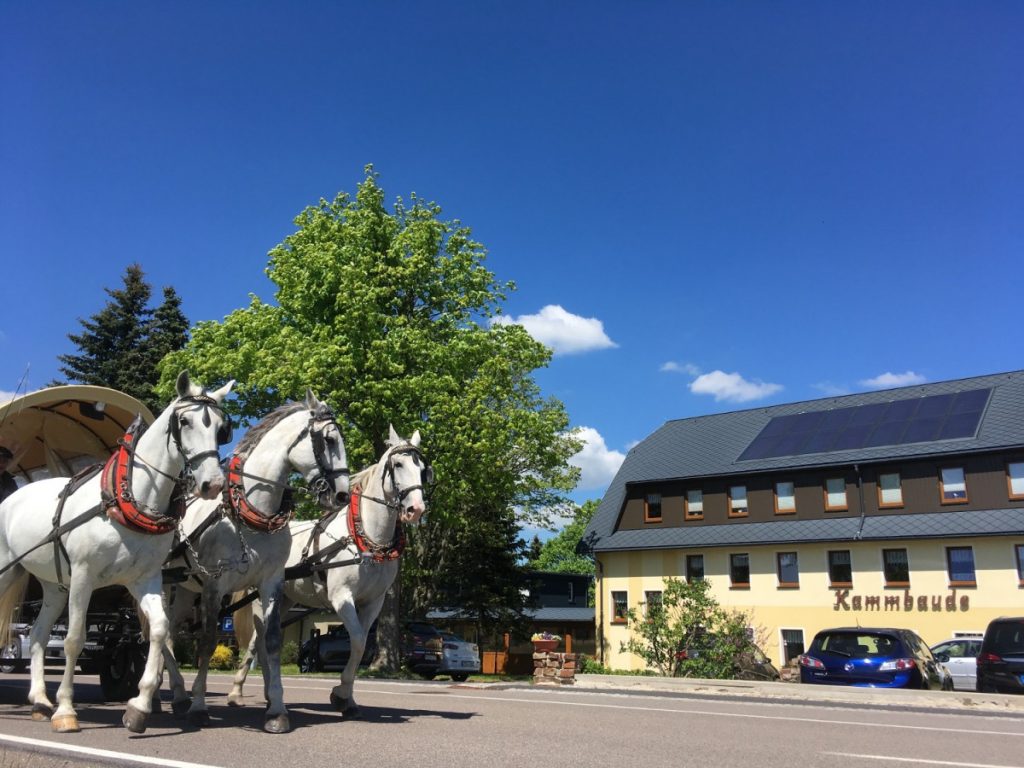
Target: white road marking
x,y
918,760
447,694
103,753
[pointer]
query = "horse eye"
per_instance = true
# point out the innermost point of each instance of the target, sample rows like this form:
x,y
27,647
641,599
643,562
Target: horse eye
x,y
184,421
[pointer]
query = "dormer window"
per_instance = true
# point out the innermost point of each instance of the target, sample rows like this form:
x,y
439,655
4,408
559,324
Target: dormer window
x,y
652,508
738,501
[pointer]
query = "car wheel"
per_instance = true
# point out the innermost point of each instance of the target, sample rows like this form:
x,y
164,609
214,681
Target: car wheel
x,y
460,677
10,658
306,663
121,669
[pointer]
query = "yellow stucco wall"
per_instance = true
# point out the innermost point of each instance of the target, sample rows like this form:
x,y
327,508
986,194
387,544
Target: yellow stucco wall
x,y
936,610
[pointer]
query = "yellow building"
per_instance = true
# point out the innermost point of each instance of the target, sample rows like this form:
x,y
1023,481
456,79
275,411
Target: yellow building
x,y
901,508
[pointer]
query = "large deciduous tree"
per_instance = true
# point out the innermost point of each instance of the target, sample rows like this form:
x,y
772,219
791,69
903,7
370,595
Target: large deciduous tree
x,y
561,553
121,345
386,315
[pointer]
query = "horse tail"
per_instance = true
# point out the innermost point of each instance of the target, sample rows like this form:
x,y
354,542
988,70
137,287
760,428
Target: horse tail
x,y
11,600
245,626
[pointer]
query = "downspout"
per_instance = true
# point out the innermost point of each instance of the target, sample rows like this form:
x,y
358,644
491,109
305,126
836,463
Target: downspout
x,y
599,587
860,497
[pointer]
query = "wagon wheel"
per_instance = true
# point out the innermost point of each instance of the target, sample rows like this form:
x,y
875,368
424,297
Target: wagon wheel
x,y
121,669
10,657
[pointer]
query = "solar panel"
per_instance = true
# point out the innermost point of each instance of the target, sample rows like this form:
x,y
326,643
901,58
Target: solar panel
x,y
950,416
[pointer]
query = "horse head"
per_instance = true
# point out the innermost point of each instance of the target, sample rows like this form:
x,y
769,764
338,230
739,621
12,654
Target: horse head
x,y
322,459
197,425
406,473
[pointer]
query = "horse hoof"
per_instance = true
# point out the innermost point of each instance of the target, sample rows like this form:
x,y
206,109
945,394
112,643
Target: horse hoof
x,y
180,708
41,712
235,701
347,707
338,703
134,719
200,718
277,724
65,724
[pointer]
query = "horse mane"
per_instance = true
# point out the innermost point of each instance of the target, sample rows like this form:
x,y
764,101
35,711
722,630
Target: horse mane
x,y
267,423
360,477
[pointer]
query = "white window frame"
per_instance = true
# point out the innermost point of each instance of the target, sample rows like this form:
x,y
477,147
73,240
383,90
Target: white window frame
x,y
779,496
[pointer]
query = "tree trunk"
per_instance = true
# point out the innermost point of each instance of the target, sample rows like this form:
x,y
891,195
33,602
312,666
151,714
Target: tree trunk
x,y
388,630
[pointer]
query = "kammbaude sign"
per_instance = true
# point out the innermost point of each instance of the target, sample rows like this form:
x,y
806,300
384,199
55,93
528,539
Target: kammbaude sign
x,y
905,603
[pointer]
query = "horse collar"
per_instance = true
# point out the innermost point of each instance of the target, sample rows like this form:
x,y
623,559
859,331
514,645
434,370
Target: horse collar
x,y
378,553
116,491
238,503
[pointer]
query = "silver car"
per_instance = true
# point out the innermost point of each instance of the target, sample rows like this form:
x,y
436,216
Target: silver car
x,y
960,657
459,658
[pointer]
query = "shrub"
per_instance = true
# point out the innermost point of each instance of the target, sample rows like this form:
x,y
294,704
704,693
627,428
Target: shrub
x,y
184,650
223,658
591,666
290,652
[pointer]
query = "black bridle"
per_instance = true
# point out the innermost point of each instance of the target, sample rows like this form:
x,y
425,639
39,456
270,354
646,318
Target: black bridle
x,y
224,431
320,419
426,474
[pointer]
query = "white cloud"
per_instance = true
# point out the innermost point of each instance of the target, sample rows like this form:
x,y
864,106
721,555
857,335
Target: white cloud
x,y
829,389
5,396
673,367
889,380
597,462
732,387
564,332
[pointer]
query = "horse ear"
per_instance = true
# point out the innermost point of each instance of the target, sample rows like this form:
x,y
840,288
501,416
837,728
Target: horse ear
x,y
311,400
221,393
393,438
183,385
415,439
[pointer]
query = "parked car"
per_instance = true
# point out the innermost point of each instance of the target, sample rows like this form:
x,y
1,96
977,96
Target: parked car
x,y
960,657
1001,659
750,663
422,648
16,655
873,658
459,658
331,650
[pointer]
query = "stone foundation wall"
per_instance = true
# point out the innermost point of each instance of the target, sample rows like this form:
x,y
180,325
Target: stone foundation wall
x,y
553,668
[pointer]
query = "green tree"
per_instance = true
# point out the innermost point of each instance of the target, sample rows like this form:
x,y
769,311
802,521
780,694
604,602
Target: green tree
x,y
560,554
386,315
121,345
687,618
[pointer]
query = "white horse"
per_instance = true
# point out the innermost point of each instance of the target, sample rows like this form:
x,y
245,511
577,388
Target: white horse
x,y
369,531
242,541
127,517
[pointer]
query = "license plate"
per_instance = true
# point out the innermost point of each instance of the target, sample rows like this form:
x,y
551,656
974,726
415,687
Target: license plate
x,y
469,663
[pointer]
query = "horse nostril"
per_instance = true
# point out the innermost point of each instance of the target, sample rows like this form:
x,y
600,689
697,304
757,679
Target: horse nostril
x,y
342,498
204,488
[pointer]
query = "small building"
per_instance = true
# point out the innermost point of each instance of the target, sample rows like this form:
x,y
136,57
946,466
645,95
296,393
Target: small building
x,y
902,507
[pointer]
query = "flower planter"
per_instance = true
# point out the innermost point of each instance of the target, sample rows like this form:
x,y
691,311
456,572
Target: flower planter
x,y
544,646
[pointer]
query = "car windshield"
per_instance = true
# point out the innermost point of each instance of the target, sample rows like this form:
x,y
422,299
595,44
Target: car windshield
x,y
859,644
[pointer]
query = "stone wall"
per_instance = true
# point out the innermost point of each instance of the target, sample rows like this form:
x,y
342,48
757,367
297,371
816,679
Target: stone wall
x,y
553,668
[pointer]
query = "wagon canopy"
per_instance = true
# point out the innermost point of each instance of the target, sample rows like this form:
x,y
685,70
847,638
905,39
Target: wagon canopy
x,y
54,432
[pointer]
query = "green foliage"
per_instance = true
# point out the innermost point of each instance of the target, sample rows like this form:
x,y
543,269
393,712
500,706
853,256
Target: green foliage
x,y
290,652
122,345
591,666
386,315
559,555
688,618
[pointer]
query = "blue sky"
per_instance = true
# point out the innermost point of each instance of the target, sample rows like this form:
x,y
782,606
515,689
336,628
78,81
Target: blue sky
x,y
705,206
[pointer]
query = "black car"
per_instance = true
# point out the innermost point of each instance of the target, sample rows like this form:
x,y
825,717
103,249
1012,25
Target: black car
x,y
873,658
331,650
422,646
1001,660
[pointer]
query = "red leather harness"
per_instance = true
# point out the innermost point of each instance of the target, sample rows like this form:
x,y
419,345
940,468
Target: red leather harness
x,y
379,553
120,502
246,512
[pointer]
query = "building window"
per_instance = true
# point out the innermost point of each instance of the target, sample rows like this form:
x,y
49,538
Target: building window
x,y
739,571
960,562
890,493
1019,551
620,607
835,494
652,508
1015,479
840,568
694,567
896,567
695,505
792,644
785,499
788,570
737,500
952,485
652,603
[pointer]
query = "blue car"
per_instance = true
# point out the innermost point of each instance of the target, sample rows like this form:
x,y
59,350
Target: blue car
x,y
872,658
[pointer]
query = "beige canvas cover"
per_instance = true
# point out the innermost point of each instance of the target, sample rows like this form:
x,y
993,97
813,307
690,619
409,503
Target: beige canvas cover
x,y
54,432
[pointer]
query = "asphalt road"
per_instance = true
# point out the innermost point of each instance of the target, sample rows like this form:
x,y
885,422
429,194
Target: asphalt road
x,y
418,724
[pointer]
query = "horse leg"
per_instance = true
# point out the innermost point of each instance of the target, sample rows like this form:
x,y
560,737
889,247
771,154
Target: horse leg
x,y
276,717
64,719
151,605
180,700
245,634
198,714
54,600
341,695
